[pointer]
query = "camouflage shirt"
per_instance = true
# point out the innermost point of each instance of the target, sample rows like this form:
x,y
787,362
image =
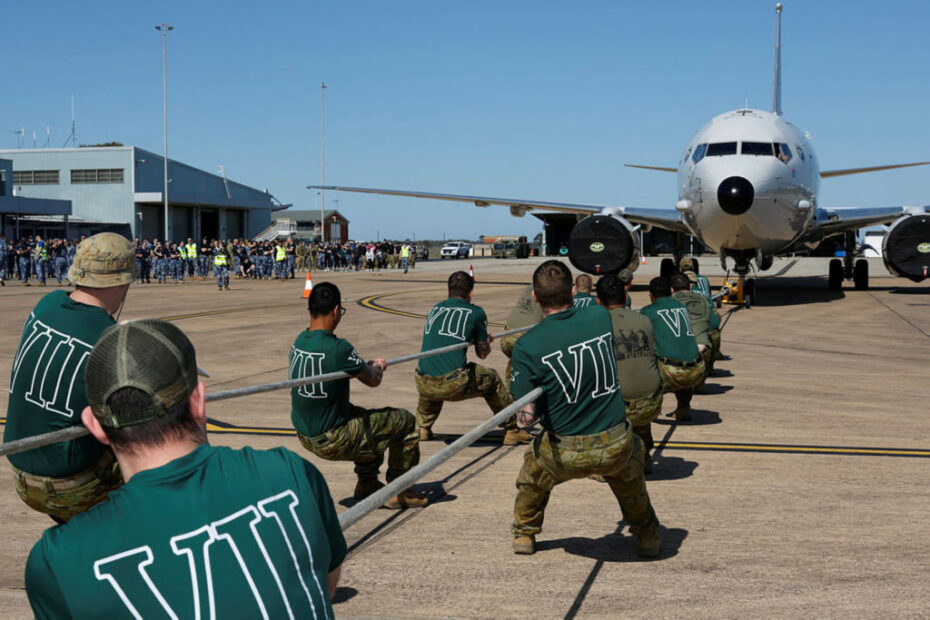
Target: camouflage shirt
x,y
525,312
635,350
700,312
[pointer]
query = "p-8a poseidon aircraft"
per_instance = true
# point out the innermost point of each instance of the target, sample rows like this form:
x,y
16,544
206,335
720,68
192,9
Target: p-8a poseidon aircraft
x,y
748,188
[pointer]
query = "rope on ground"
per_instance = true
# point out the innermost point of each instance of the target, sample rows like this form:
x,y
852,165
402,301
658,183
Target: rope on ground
x,y
73,432
399,485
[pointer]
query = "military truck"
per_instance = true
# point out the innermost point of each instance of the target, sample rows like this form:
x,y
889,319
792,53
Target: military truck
x,y
510,246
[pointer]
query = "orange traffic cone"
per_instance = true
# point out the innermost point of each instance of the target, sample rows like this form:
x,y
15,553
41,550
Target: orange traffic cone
x,y
308,286
643,261
471,271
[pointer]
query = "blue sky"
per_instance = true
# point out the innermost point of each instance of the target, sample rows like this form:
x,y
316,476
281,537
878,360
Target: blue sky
x,y
537,100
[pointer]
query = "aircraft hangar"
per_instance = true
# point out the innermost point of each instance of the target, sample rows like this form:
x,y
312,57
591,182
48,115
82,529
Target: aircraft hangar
x,y
119,189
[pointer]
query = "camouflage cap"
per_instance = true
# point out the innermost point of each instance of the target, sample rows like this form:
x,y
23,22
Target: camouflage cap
x,y
686,264
103,261
625,276
150,355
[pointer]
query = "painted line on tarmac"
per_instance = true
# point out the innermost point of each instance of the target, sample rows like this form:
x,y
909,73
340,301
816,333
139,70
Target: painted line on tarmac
x,y
224,428
197,315
788,449
371,302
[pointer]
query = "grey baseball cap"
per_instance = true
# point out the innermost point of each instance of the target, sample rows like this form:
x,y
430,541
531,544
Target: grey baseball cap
x,y
150,355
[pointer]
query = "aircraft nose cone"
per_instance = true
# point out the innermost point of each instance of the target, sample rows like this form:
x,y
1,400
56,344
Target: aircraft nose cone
x,y
735,195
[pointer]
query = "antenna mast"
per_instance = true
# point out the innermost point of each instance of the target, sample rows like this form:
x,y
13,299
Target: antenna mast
x,y
776,90
73,137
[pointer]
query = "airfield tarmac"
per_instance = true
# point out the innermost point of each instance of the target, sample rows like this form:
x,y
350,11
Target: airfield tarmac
x,y
800,488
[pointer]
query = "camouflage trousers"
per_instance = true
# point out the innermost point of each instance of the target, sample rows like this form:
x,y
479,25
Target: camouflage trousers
x,y
682,379
62,498
469,381
715,350
616,454
640,412
365,438
676,377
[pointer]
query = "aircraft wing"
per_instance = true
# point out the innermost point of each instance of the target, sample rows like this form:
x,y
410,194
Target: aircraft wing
x,y
831,221
668,219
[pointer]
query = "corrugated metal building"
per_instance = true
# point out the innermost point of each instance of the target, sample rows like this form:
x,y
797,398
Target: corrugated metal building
x,y
120,189
21,216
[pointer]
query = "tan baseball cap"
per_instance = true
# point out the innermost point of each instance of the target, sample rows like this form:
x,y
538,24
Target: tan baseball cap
x,y
103,261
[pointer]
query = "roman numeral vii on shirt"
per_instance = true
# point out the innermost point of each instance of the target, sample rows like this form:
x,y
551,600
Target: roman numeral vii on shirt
x,y
594,356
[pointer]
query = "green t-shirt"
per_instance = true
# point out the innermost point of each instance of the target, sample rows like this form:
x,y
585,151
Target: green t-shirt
x,y
571,356
47,384
583,300
319,407
635,350
451,321
702,286
672,325
216,533
700,312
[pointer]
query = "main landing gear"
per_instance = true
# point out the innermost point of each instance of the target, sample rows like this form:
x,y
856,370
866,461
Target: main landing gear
x,y
849,268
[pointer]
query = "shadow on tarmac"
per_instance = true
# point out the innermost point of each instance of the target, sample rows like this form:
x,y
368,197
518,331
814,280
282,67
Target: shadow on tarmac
x,y
611,548
793,291
670,468
343,594
699,417
896,290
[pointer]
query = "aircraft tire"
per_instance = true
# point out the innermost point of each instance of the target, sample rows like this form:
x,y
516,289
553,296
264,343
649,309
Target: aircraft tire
x,y
861,275
749,293
667,268
836,275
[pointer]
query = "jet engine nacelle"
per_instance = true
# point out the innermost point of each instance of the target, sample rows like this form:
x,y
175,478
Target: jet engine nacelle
x,y
601,244
906,247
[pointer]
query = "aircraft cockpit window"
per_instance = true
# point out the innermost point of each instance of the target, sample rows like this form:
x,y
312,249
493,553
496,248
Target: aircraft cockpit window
x,y
721,148
699,153
783,152
757,148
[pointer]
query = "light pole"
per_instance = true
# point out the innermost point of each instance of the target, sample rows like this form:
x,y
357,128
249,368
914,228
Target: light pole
x,y
165,29
322,159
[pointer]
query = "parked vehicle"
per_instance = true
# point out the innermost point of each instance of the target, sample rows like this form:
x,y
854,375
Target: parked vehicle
x,y
510,246
455,249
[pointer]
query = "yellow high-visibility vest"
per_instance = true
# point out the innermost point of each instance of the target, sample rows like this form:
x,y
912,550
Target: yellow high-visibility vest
x,y
182,250
405,251
220,259
280,254
192,250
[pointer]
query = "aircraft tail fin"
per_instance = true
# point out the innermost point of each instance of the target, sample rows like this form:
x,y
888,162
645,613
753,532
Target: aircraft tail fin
x,y
776,90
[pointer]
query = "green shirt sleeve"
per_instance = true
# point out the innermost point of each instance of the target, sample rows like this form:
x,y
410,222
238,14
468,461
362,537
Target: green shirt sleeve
x,y
45,595
521,373
348,358
480,333
324,500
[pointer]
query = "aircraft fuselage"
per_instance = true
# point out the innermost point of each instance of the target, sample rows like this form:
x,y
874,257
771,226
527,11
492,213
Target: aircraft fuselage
x,y
748,181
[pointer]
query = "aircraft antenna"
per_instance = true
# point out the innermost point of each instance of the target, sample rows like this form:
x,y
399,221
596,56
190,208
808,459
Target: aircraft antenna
x,y
776,91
